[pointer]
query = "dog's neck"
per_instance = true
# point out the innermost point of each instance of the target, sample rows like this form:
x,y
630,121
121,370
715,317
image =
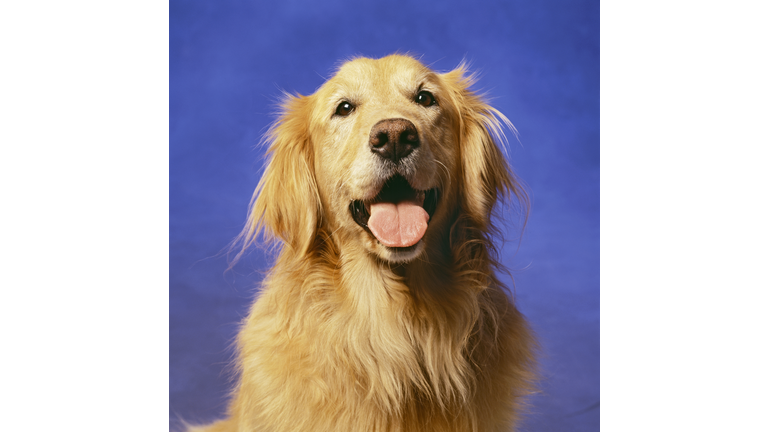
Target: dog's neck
x,y
397,299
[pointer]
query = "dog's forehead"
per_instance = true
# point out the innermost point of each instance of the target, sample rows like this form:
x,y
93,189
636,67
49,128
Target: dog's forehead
x,y
394,72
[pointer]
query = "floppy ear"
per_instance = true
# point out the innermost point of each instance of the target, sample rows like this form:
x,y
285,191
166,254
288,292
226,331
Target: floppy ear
x,y
286,204
486,173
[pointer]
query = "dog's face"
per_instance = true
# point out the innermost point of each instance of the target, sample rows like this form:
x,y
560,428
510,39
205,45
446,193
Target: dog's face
x,y
381,157
384,152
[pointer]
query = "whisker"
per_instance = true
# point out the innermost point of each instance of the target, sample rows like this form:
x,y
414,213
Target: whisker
x,y
445,168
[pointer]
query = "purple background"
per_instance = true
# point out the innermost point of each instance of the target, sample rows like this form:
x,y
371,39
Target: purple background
x,y
229,61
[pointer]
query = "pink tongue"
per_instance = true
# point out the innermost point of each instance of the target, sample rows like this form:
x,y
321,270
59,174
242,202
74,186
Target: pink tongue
x,y
398,225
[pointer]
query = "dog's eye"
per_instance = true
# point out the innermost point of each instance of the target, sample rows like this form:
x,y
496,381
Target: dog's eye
x,y
344,109
425,98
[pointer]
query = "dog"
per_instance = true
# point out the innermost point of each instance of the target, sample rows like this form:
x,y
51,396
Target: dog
x,y
383,311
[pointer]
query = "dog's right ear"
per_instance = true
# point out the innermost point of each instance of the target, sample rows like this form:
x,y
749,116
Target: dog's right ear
x,y
286,203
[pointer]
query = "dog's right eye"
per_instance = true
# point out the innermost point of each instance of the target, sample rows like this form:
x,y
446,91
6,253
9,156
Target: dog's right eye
x,y
344,109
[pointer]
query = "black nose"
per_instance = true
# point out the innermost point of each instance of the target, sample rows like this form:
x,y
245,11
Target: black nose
x,y
394,139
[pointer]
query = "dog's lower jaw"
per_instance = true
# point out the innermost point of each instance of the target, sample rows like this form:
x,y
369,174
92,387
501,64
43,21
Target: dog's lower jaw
x,y
399,255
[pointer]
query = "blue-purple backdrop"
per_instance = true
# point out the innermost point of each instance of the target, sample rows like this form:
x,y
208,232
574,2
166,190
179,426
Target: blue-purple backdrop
x,y
229,62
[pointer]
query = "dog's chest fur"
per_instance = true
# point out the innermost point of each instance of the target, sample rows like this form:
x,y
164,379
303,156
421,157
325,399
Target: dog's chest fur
x,y
356,347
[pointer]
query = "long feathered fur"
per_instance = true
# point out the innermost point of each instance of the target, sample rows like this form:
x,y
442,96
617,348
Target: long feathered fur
x,y
341,340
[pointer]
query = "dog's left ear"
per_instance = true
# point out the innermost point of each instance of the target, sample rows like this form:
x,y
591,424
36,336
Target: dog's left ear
x,y
286,204
486,174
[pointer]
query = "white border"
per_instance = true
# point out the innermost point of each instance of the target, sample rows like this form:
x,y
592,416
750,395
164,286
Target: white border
x,y
84,180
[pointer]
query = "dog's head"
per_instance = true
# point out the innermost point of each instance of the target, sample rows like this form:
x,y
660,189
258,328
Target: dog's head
x,y
383,158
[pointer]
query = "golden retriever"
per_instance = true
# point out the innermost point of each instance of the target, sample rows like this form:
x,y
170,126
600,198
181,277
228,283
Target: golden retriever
x,y
382,312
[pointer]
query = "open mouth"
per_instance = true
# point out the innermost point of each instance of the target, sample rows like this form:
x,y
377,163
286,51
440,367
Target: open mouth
x,y
398,216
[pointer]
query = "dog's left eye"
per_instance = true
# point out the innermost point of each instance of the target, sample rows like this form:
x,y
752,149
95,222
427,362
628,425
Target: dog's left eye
x,y
425,98
344,109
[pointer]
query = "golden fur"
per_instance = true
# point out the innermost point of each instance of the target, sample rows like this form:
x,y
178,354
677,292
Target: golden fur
x,y
349,335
